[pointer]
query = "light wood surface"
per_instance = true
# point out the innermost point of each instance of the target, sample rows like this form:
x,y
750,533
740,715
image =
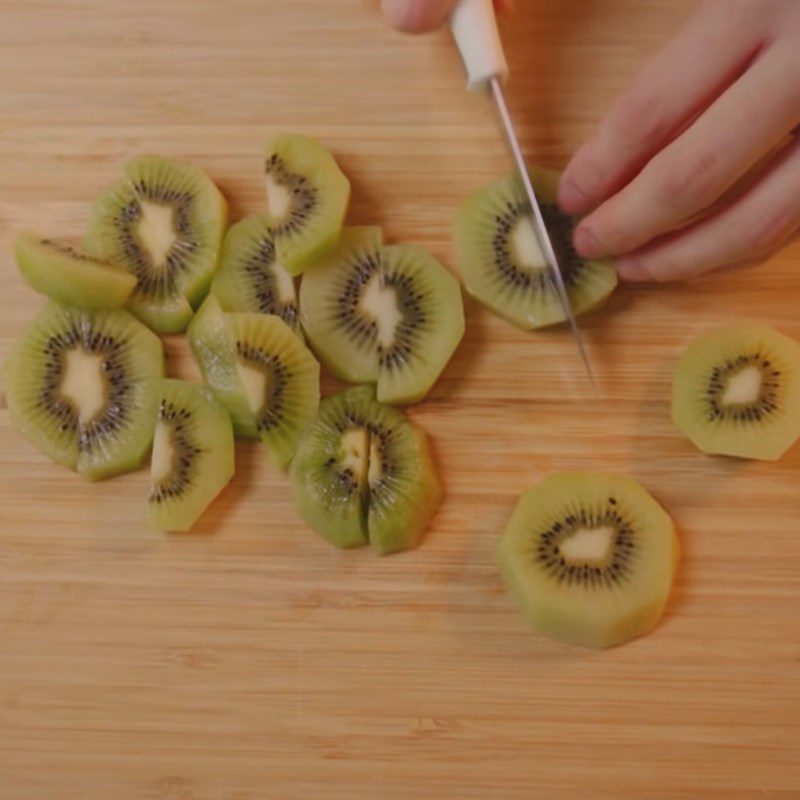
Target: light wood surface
x,y
251,660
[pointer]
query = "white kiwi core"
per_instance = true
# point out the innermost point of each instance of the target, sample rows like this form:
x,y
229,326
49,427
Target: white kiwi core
x,y
743,388
83,383
156,231
279,199
588,545
525,245
380,304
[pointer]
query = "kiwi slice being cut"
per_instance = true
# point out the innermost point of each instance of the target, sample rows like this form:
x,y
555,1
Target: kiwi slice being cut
x,y
307,197
80,386
589,558
390,315
260,371
163,222
737,392
502,263
250,277
69,275
364,473
192,455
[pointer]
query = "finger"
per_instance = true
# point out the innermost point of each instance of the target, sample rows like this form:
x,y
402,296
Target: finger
x,y
704,58
417,16
750,229
690,174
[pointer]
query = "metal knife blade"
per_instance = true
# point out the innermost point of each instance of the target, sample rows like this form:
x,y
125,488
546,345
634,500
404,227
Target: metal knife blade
x,y
554,271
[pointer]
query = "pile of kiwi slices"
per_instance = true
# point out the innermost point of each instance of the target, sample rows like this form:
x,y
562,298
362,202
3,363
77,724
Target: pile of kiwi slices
x,y
86,381
589,558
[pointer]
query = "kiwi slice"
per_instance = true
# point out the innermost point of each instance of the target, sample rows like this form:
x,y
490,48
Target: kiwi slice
x,y
68,275
589,558
250,277
390,315
192,455
737,392
307,197
163,222
502,263
260,372
80,386
363,473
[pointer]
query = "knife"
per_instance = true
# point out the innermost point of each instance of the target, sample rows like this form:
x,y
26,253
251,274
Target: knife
x,y
474,27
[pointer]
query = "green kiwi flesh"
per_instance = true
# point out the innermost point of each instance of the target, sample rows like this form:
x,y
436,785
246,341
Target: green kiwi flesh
x,y
260,371
164,223
80,386
388,315
68,275
736,392
192,457
502,263
250,277
307,198
589,558
363,474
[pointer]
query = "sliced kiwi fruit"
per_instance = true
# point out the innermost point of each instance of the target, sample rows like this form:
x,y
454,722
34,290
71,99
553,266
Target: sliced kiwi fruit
x,y
192,455
70,276
329,469
736,392
307,197
80,386
589,558
250,277
389,315
260,372
364,473
214,350
503,265
164,223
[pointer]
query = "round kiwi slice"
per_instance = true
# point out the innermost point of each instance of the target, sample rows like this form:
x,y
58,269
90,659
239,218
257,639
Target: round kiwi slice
x,y
69,275
363,473
260,371
307,197
250,277
503,266
80,386
192,455
589,558
390,315
164,223
737,392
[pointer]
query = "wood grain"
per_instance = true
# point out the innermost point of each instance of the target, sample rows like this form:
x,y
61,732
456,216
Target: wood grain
x,y
253,661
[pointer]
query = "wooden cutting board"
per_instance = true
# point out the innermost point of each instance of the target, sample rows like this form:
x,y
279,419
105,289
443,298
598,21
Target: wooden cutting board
x,y
249,660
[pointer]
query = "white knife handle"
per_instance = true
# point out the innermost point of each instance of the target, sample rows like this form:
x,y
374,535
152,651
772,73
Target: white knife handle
x,y
474,27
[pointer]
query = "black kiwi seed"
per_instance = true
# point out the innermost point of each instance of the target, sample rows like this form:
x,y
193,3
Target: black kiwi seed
x,y
185,453
547,547
278,375
304,194
560,227
765,405
114,414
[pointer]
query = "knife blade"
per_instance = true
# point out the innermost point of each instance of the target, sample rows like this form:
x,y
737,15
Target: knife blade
x,y
474,28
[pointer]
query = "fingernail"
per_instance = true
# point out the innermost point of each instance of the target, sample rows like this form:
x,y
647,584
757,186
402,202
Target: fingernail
x,y
630,269
571,199
586,243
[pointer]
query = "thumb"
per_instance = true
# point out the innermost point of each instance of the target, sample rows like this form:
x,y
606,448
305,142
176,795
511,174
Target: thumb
x,y
417,16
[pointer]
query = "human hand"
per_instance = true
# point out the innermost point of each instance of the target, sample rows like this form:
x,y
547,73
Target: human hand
x,y
675,181
419,16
